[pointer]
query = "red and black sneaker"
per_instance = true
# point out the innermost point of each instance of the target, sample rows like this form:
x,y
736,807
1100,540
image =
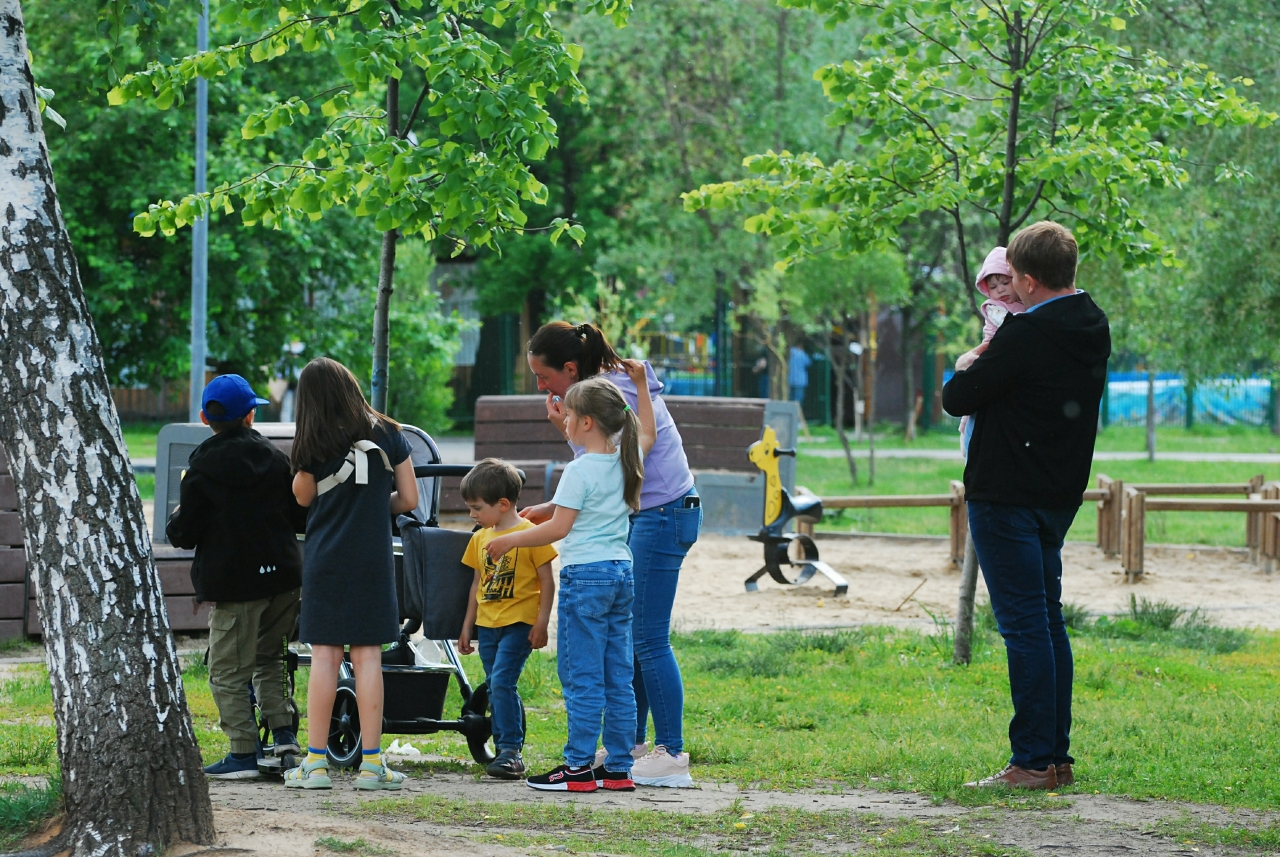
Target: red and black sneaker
x,y
618,781
565,779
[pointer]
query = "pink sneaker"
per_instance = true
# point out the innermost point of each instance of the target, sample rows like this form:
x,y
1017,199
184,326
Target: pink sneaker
x,y
660,768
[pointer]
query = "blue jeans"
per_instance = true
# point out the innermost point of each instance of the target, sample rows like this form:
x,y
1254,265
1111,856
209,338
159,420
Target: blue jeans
x,y
660,539
1020,551
594,657
503,652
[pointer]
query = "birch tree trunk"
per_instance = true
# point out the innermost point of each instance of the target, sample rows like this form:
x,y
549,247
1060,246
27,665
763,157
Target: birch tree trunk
x,y
131,771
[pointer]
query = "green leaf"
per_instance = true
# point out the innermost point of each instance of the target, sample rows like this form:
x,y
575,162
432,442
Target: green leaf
x,y
1118,23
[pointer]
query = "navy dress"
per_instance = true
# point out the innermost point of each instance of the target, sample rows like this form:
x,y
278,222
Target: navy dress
x,y
348,571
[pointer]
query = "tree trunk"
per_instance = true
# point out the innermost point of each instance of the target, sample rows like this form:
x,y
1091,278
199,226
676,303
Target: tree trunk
x,y
840,365
870,395
908,377
386,277
964,615
131,770
1151,414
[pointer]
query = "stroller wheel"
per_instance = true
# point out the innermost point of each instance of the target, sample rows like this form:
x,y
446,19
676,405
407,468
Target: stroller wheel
x,y
478,716
344,727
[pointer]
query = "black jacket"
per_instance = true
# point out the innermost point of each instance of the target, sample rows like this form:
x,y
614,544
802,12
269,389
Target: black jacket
x,y
238,511
1034,394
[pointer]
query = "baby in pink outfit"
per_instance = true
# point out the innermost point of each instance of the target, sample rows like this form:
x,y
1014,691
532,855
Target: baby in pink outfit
x,y
995,281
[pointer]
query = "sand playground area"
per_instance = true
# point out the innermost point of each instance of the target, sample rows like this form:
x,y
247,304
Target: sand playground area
x,y
883,571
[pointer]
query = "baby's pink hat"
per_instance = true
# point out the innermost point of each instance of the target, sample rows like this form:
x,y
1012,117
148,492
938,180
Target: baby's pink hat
x,y
994,264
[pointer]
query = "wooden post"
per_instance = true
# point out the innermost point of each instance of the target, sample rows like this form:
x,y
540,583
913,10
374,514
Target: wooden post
x,y
959,522
1269,526
1135,526
1111,515
1104,508
1253,521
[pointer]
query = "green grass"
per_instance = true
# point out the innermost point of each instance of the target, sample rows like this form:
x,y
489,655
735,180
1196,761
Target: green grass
x,y
140,438
353,846
586,829
1166,707
24,809
830,477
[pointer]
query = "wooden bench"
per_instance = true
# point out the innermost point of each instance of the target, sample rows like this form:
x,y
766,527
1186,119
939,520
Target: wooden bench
x,y
1110,496
1262,505
959,515
13,558
716,433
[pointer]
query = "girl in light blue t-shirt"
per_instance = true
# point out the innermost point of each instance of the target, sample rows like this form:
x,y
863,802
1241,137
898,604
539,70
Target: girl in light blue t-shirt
x,y
597,494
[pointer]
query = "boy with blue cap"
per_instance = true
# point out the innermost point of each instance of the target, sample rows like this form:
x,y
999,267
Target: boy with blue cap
x,y
238,511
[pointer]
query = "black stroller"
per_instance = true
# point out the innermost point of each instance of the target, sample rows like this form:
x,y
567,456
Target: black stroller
x,y
432,585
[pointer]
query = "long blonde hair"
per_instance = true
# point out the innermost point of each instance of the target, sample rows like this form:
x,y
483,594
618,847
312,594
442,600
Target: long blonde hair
x,y
600,399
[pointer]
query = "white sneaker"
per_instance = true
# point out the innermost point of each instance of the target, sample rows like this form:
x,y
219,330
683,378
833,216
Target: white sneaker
x,y
637,752
660,768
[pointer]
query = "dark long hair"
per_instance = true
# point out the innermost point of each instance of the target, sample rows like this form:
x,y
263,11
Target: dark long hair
x,y
332,414
601,400
559,342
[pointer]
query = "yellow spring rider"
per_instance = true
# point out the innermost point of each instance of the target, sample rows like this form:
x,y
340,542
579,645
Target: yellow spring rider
x,y
795,550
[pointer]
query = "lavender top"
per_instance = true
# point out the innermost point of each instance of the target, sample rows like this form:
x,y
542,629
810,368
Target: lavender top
x,y
666,470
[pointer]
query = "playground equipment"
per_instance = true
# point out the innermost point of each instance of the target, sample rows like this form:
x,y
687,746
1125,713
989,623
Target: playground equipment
x,y
781,548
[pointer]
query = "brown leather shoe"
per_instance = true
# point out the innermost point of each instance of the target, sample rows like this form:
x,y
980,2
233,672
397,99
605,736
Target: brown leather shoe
x,y
1019,778
1065,775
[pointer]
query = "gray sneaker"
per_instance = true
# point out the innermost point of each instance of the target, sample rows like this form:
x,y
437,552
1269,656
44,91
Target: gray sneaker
x,y
508,766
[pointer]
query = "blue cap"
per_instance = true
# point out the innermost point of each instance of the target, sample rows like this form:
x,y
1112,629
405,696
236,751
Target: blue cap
x,y
234,394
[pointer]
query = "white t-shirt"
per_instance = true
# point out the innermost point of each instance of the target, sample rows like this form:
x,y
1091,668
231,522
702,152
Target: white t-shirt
x,y
592,484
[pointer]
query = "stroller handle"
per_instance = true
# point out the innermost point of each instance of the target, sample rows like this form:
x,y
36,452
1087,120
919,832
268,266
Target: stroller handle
x,y
428,470
424,470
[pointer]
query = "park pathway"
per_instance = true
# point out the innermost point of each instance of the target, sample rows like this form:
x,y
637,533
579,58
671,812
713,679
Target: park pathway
x,y
954,455
262,818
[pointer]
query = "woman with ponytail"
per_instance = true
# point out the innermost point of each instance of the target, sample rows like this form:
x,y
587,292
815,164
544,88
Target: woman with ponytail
x,y
562,355
597,494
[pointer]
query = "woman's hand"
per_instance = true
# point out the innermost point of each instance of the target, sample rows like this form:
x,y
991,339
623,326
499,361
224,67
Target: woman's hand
x,y
636,372
556,414
964,361
538,514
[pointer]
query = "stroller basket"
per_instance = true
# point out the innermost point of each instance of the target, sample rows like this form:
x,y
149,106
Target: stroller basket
x,y
413,692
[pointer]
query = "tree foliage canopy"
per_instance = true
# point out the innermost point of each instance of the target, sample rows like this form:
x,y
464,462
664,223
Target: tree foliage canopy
x,y
994,110
457,167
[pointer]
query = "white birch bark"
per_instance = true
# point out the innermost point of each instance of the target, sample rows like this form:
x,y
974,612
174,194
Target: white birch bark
x,y
130,765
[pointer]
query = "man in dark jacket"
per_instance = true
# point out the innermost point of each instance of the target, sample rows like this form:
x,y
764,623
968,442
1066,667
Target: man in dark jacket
x,y
238,511
1034,394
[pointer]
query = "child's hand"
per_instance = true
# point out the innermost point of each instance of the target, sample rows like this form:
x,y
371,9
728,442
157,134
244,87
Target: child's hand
x,y
464,640
498,547
538,635
636,372
538,514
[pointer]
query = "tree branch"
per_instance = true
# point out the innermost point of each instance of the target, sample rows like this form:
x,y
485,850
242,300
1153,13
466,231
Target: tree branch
x,y
413,114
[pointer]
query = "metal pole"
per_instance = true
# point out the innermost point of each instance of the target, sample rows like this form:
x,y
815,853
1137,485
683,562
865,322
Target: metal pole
x,y
200,234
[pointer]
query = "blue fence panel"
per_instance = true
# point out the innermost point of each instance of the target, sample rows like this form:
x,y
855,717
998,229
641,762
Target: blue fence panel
x,y
1216,401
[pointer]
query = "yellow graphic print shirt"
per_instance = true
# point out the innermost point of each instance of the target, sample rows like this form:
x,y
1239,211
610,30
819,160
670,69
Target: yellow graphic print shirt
x,y
509,590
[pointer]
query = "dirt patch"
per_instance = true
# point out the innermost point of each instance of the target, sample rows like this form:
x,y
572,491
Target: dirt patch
x,y
883,572
265,818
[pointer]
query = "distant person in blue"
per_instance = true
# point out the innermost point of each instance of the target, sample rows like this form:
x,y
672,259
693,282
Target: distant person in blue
x,y
798,372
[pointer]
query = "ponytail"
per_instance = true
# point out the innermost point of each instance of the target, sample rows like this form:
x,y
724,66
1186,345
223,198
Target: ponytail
x,y
601,400
632,463
559,342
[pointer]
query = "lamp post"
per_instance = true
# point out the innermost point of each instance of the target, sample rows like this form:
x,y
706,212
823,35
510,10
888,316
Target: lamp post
x,y
200,234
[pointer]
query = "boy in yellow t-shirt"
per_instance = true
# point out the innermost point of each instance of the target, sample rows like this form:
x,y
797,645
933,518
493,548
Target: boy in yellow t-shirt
x,y
510,603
